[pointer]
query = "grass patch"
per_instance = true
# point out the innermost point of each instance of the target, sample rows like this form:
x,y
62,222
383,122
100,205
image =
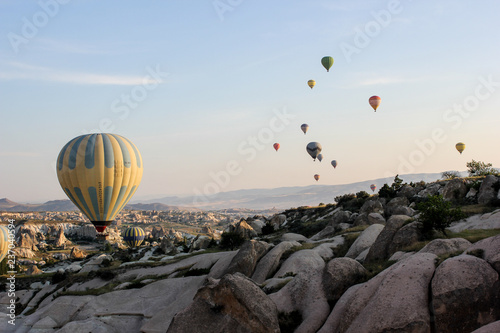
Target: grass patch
x,y
470,210
289,252
376,267
443,257
359,228
415,247
341,250
474,235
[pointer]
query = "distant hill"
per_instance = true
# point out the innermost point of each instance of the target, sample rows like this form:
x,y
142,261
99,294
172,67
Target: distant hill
x,y
285,197
254,199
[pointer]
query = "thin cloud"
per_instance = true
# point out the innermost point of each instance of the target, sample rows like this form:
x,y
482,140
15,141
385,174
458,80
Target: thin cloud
x,y
21,71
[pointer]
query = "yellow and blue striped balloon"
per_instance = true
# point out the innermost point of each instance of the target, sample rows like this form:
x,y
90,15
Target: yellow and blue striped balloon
x,y
133,236
4,241
99,173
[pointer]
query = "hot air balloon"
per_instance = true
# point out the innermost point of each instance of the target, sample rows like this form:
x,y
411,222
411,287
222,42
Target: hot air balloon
x,y
316,176
276,146
313,148
99,173
327,62
460,147
133,236
4,242
334,163
311,83
304,128
320,157
373,187
374,102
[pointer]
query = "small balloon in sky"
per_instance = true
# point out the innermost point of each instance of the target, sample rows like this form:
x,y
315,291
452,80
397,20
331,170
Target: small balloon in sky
x,y
313,149
311,83
334,163
374,102
304,128
316,176
276,146
460,147
327,62
373,187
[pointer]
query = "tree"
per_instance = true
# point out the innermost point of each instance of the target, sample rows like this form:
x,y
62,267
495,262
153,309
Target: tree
x,y
478,168
450,175
231,240
390,191
437,214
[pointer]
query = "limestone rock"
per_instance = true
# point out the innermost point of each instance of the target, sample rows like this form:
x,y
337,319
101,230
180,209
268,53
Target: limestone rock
x,y
380,248
341,216
61,240
76,253
465,294
486,191
430,190
278,220
490,250
490,328
257,225
484,221
395,204
247,257
372,206
243,229
340,274
375,218
364,240
200,243
396,300
328,231
405,236
206,230
34,270
269,263
168,247
157,232
361,219
289,237
22,252
446,246
455,190
233,304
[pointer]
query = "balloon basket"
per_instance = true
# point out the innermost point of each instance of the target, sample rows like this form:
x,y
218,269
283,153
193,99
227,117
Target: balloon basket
x,y
102,237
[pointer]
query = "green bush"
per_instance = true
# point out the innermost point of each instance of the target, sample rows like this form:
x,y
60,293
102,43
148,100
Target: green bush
x,y
450,175
437,214
231,240
478,168
390,192
267,229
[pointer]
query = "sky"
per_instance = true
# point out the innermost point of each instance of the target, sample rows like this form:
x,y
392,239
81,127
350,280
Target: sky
x,y
204,88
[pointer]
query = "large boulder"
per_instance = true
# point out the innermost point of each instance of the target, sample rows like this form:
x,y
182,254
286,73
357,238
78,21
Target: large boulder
x,y
484,221
61,240
489,250
465,294
341,216
269,263
27,240
429,190
375,218
364,240
490,328
200,243
278,220
232,304
446,246
372,206
257,225
487,191
395,204
380,248
76,253
396,300
340,274
327,232
157,233
404,237
243,229
361,219
168,247
455,190
246,259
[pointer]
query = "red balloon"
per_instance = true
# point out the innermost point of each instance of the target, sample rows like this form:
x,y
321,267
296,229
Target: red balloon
x,y
374,102
276,146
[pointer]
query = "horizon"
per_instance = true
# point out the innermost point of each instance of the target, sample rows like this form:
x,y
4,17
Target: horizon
x,y
205,91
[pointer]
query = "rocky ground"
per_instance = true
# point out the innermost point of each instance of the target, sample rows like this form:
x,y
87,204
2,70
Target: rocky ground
x,y
361,265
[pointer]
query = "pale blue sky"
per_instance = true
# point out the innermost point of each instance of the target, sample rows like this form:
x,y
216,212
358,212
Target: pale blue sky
x,y
226,68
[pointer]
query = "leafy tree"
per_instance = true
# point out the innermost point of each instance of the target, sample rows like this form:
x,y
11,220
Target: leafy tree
x,y
450,175
437,214
362,195
268,228
478,168
390,191
231,240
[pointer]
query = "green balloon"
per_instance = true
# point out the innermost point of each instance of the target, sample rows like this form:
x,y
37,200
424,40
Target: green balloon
x,y
327,62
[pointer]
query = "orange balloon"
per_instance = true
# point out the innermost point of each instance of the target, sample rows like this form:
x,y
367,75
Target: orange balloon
x,y
276,146
374,102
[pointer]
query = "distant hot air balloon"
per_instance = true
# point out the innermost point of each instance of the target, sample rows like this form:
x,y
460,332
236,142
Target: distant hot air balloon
x,y
4,242
311,83
334,163
313,148
373,187
460,147
304,128
327,62
316,176
374,102
133,236
99,173
320,157
276,146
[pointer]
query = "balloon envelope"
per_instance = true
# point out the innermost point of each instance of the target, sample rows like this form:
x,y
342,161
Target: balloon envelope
x,y
4,241
373,187
276,146
311,83
316,177
99,173
134,236
320,157
304,128
327,62
460,147
313,148
374,102
334,163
